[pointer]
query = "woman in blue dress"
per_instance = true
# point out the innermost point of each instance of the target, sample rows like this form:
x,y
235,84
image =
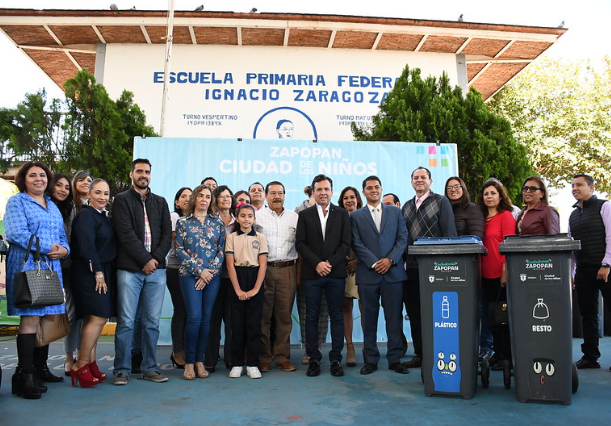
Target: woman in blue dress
x,y
31,212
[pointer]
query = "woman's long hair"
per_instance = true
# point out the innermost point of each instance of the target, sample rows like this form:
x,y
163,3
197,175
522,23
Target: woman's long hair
x,y
80,175
177,209
505,201
65,207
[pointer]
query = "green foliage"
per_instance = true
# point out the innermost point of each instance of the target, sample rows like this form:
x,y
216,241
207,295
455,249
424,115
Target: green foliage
x,y
431,110
560,111
89,131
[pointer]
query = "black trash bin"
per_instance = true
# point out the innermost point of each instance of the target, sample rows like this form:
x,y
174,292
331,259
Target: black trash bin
x,y
449,301
539,299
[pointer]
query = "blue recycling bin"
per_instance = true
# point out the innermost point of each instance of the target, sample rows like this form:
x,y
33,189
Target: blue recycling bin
x,y
449,301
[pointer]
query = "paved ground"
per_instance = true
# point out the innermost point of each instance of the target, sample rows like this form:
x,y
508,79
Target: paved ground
x,y
281,398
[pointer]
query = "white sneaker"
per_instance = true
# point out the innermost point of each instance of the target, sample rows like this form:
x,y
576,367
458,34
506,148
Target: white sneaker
x,y
253,372
236,372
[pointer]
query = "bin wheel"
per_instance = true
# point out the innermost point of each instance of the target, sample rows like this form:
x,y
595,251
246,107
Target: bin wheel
x,y
507,373
485,373
575,378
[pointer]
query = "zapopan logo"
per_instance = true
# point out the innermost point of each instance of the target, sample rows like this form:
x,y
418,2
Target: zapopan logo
x,y
539,265
446,266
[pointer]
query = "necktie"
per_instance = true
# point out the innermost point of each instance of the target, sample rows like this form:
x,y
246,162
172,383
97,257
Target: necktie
x,y
376,217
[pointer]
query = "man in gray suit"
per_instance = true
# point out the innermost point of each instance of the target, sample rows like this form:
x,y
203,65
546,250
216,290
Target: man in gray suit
x,y
379,239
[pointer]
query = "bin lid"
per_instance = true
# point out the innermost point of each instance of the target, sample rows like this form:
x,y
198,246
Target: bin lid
x,y
465,244
539,243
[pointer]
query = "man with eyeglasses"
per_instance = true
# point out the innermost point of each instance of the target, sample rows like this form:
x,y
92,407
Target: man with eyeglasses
x,y
426,215
278,225
590,223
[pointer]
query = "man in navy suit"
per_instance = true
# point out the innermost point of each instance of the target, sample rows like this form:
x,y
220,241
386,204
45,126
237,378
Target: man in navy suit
x,y
323,241
379,239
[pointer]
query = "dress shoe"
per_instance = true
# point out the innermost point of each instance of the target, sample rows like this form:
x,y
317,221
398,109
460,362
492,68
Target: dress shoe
x,y
368,368
398,367
265,367
287,366
586,363
45,375
415,362
336,369
313,369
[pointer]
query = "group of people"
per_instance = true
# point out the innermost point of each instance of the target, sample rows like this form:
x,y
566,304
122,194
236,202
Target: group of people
x,y
228,258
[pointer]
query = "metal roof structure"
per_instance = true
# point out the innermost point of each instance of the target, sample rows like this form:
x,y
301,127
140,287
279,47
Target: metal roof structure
x,y
62,42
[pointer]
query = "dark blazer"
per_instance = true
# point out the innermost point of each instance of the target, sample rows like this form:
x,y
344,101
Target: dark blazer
x,y
128,221
371,245
313,249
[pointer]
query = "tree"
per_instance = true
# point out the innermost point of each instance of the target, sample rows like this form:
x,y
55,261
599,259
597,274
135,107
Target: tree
x,y
33,128
430,110
100,131
560,112
88,131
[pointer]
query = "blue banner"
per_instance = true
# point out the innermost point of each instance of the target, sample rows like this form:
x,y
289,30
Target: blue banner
x,y
179,162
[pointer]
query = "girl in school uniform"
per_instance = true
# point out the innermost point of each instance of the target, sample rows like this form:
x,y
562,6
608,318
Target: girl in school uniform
x,y
246,259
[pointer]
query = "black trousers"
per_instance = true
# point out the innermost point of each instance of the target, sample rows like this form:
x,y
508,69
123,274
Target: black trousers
x,y
587,287
220,314
246,320
411,298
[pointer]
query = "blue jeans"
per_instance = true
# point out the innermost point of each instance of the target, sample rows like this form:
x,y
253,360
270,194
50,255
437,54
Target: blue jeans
x,y
334,290
135,288
199,305
485,336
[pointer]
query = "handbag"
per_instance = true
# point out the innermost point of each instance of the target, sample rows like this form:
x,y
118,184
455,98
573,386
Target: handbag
x,y
37,287
498,313
52,328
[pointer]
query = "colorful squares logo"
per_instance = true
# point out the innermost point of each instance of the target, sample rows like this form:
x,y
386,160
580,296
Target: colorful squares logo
x,y
432,150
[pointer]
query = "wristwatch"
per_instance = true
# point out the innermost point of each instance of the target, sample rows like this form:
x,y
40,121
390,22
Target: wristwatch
x,y
605,265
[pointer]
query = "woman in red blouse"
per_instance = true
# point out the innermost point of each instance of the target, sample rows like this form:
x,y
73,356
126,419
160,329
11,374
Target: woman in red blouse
x,y
499,222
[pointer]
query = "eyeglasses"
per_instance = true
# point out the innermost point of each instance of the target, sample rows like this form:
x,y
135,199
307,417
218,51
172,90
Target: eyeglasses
x,y
276,194
224,196
453,187
530,188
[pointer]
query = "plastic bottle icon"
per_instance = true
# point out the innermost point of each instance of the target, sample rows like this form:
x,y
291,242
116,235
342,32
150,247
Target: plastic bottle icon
x,y
540,311
445,308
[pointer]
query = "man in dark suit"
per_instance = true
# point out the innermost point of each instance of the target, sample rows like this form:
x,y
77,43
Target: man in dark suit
x,y
379,238
323,241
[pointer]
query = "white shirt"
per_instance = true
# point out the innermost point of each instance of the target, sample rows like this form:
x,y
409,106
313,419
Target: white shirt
x,y
372,210
323,218
279,230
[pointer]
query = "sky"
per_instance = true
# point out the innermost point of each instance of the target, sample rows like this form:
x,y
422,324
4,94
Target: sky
x,y
586,21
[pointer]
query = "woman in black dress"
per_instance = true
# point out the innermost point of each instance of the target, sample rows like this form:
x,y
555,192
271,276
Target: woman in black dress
x,y
93,278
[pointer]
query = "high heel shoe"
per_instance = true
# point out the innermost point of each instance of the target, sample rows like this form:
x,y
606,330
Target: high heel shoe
x,y
25,385
189,374
350,355
95,372
175,364
84,377
202,373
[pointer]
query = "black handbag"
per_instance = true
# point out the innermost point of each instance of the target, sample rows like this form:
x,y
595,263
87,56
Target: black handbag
x,y
37,287
498,313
